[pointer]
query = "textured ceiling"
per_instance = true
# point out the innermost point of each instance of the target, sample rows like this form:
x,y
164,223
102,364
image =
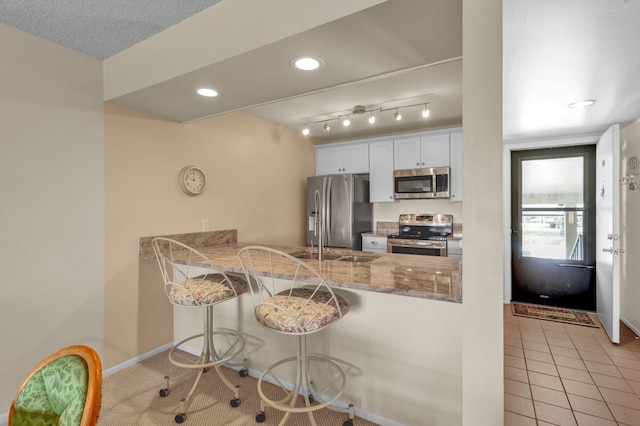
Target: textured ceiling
x,y
99,28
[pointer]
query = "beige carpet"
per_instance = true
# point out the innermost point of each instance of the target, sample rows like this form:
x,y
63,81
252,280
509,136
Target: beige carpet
x,y
130,397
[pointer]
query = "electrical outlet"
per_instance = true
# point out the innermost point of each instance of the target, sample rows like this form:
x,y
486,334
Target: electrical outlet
x,y
205,225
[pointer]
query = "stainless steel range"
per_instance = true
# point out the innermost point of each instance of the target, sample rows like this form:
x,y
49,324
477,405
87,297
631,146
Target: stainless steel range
x,y
423,234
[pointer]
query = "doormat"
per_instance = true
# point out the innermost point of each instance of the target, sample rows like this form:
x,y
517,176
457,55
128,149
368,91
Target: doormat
x,y
569,316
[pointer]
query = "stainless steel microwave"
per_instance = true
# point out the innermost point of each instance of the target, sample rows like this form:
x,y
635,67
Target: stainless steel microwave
x,y
421,183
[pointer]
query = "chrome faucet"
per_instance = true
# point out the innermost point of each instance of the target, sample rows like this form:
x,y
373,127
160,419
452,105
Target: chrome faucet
x,y
318,223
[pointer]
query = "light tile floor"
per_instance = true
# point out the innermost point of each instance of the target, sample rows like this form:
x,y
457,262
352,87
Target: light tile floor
x,y
561,374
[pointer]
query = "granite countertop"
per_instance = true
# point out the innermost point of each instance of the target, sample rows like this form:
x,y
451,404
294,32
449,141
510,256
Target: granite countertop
x,y
438,278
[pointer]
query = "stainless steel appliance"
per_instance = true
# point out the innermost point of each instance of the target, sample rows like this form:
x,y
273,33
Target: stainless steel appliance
x,y
421,183
341,202
423,234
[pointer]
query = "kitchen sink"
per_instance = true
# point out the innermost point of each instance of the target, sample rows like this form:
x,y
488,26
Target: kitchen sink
x,y
356,259
314,255
333,256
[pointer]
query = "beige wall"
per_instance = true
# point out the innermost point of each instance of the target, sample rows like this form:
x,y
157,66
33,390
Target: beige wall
x,y
630,229
256,178
51,203
389,212
482,357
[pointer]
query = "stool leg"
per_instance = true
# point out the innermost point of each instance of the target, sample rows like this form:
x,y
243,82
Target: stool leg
x,y
303,366
210,351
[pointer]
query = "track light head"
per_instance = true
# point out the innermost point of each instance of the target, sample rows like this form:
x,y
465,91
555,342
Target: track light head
x,y
372,118
326,127
397,115
305,131
346,122
425,112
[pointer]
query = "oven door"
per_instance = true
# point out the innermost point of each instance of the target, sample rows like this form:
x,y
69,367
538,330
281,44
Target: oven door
x,y
422,248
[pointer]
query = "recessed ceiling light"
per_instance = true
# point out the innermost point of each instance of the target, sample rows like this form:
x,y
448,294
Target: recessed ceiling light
x,y
582,104
306,63
209,93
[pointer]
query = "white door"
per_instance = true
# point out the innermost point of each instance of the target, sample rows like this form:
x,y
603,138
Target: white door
x,y
608,231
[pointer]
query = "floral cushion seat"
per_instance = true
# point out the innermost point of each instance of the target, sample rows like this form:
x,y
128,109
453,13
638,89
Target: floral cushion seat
x,y
296,313
206,290
55,395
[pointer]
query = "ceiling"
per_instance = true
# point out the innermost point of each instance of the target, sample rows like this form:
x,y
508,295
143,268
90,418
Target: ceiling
x,y
394,54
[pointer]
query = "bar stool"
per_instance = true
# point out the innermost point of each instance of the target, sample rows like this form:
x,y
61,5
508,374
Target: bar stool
x,y
293,299
192,280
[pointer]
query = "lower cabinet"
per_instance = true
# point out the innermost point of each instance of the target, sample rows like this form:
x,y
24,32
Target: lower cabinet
x,y
374,244
454,248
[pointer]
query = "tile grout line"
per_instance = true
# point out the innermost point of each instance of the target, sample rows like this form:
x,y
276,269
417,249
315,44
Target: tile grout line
x,y
592,379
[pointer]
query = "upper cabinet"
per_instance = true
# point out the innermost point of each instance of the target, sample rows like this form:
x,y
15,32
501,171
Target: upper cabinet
x,y
456,166
335,159
381,156
381,172
421,152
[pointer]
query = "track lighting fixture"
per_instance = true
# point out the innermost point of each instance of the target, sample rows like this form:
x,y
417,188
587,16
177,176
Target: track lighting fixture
x,y
345,116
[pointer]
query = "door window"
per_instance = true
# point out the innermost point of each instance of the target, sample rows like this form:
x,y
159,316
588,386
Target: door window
x,y
552,208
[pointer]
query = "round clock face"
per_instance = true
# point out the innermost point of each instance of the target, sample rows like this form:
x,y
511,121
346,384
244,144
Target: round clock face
x,y
192,180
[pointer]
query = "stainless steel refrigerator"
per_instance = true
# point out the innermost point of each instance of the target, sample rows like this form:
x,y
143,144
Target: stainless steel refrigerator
x,y
341,202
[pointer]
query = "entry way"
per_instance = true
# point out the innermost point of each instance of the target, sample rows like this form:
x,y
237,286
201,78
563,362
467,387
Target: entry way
x,y
553,226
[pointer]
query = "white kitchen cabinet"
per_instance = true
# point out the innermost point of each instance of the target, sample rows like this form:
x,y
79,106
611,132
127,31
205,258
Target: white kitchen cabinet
x,y
407,153
455,185
374,244
381,172
421,152
454,248
348,158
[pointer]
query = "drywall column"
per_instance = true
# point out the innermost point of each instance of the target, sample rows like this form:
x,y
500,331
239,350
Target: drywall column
x,y
630,206
482,360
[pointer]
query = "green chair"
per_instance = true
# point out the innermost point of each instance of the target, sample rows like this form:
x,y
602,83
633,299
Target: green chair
x,y
64,389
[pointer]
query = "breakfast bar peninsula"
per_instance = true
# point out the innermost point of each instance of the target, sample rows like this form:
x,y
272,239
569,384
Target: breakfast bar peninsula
x,y
400,342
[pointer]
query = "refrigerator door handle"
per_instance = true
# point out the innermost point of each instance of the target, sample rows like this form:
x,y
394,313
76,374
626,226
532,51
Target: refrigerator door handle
x,y
326,214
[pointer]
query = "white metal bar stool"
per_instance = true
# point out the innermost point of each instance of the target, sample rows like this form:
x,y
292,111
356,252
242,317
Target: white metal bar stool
x,y
293,299
192,280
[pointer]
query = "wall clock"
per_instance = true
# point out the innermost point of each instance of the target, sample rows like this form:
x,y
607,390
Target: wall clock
x,y
192,180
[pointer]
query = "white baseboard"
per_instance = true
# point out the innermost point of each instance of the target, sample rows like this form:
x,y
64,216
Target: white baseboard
x,y
132,361
631,326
